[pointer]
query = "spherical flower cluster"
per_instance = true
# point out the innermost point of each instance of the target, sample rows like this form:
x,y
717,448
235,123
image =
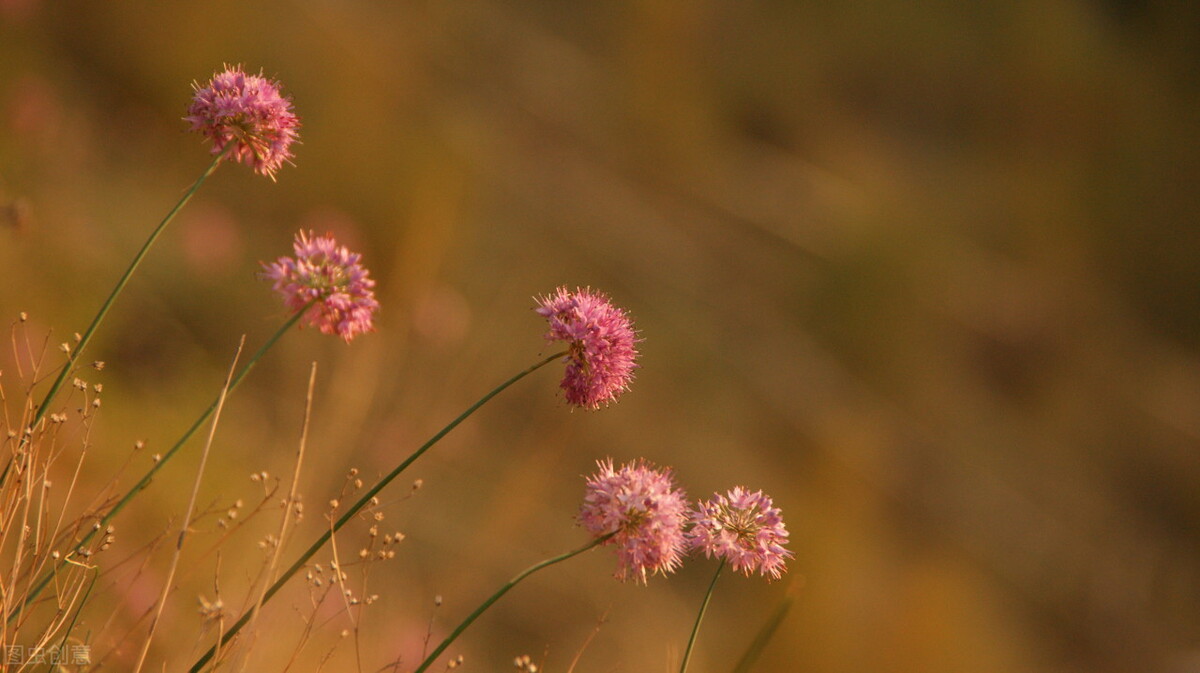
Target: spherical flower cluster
x,y
745,529
643,510
600,341
328,280
248,111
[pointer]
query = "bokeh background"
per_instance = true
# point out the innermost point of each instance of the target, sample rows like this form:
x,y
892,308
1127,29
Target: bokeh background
x,y
925,272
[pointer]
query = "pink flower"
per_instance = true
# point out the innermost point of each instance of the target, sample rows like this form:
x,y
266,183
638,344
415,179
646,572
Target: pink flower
x,y
743,528
645,511
600,342
249,111
328,279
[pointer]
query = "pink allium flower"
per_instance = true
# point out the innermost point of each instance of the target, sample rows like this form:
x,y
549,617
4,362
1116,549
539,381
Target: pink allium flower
x,y
645,510
743,528
330,278
249,111
600,339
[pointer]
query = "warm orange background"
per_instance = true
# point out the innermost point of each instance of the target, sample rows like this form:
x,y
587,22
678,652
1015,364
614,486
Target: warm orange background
x,y
925,272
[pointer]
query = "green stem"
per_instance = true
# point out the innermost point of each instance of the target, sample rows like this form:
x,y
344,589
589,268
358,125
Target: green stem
x,y
687,654
137,488
77,351
503,590
764,636
362,502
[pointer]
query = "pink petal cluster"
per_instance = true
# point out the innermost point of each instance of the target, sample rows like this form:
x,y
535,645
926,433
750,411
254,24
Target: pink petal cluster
x,y
601,345
641,505
248,111
745,529
328,279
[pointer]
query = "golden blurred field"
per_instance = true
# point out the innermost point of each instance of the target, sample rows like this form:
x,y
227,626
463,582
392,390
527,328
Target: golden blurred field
x,y
926,273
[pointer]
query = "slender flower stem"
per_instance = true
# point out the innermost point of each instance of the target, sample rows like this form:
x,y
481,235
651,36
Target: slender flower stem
x,y
187,515
764,635
503,590
77,351
687,654
145,481
362,502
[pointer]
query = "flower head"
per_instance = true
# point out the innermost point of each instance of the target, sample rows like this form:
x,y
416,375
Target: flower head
x,y
248,111
328,280
601,345
640,506
743,528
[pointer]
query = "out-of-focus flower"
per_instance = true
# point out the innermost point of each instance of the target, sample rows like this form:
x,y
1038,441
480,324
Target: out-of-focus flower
x,y
248,111
745,529
643,510
601,345
328,279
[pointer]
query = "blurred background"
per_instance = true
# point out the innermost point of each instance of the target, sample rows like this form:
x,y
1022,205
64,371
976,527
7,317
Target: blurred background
x,y
926,273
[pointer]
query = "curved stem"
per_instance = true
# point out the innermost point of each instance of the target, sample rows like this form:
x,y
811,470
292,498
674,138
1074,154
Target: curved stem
x,y
145,481
362,502
687,654
77,351
503,590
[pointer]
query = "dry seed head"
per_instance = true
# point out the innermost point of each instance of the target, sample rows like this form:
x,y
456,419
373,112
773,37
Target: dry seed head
x,y
157,457
64,347
99,387
211,611
98,365
96,403
139,445
23,316
78,337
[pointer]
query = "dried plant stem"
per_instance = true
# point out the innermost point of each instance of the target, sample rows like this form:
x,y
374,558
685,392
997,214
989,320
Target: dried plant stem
x,y
366,498
77,351
503,590
191,507
145,480
291,499
687,654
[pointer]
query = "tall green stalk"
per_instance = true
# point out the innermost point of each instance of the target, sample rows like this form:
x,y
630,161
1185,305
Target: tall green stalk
x,y
145,481
358,506
687,654
77,351
503,590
